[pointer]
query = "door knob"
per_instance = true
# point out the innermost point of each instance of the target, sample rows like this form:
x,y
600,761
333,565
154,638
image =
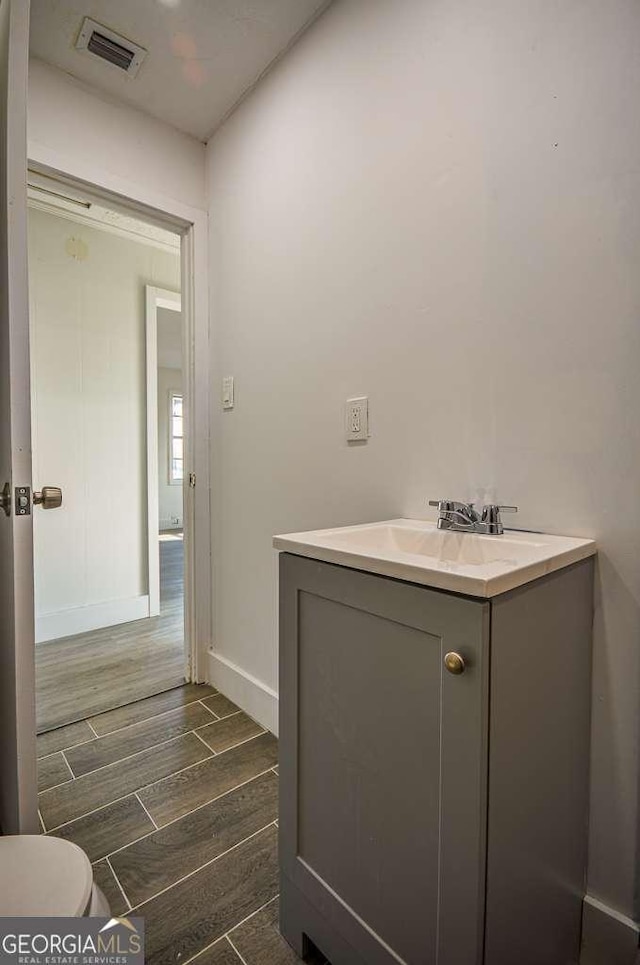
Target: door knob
x,y
50,497
454,663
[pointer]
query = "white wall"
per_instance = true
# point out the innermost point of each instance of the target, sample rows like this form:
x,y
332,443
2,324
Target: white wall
x,y
83,133
169,497
88,414
436,204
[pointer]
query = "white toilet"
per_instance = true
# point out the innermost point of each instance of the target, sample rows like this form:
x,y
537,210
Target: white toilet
x,y
47,877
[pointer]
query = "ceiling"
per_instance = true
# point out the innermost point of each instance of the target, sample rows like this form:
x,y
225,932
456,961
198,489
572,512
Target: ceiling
x,y
203,55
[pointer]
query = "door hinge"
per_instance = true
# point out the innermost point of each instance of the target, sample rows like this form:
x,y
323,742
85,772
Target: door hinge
x,y
192,480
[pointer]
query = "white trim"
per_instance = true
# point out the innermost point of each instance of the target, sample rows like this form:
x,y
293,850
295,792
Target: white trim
x,y
55,197
18,784
153,551
255,697
82,619
197,453
608,937
174,394
155,298
78,217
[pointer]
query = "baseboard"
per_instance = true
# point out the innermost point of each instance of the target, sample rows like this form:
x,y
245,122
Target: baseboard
x,y
81,619
608,938
255,697
168,523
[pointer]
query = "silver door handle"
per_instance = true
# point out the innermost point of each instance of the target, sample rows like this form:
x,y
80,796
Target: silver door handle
x,y
49,497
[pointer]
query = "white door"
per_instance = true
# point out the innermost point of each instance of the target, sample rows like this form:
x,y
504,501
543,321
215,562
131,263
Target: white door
x,y
18,796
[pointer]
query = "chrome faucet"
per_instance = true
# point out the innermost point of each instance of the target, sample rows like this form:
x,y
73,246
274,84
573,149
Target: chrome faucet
x,y
464,518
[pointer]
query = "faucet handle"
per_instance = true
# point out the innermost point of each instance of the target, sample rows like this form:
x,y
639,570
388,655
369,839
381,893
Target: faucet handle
x,y
492,519
443,505
491,512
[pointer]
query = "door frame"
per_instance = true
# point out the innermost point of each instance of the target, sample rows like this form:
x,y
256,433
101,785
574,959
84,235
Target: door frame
x,y
192,226
156,298
18,781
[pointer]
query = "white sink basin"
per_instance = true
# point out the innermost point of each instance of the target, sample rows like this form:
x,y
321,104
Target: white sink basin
x,y
416,551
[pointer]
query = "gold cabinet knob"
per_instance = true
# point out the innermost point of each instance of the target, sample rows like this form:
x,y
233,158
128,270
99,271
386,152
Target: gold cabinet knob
x,y
454,663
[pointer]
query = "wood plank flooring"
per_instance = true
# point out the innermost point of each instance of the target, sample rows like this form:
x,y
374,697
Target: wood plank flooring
x,y
174,799
83,675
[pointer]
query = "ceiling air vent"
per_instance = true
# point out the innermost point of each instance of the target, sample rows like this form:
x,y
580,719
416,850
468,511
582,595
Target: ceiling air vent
x,y
110,46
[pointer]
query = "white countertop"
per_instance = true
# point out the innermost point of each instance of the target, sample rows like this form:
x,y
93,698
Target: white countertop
x,y
416,551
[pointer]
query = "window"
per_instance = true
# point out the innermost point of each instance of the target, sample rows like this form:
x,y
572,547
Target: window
x,y
176,439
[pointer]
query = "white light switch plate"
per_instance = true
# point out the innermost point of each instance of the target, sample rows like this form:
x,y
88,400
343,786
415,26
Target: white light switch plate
x,y
357,419
227,392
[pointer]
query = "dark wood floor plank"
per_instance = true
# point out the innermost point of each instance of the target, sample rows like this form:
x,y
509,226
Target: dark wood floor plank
x,y
259,942
221,706
212,864
130,740
103,877
149,707
176,795
219,954
112,827
223,734
150,865
195,912
52,770
63,804
89,673
63,737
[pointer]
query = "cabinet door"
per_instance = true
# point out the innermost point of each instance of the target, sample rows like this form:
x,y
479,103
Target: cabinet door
x,y
383,762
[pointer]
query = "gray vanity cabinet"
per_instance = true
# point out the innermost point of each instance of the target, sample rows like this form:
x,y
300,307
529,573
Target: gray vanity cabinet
x,y
427,817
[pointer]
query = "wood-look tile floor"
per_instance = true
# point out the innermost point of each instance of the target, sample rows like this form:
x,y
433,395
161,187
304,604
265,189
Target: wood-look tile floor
x,y
93,672
174,799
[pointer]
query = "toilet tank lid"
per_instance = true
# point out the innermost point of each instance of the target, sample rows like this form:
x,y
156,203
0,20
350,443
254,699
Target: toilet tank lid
x,y
42,876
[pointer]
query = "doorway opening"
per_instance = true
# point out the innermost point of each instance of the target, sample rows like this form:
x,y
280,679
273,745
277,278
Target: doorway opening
x,y
110,427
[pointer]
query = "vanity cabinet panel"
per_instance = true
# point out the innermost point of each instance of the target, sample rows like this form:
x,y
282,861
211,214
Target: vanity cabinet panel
x,y
539,767
429,818
383,762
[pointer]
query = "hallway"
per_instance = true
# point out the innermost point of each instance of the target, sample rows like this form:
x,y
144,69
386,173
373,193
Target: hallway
x,y
87,674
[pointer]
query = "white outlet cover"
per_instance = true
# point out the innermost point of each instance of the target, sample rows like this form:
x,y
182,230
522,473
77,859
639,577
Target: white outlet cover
x,y
357,419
